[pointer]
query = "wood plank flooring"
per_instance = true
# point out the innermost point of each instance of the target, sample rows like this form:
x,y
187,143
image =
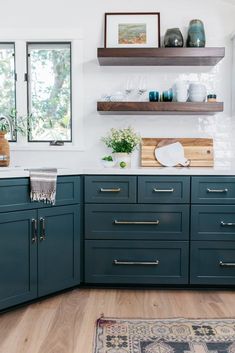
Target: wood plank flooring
x,y
66,323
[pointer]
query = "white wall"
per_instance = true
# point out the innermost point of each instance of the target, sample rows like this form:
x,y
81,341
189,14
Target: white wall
x,y
218,17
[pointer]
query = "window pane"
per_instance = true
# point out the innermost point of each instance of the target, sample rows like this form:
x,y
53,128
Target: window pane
x,y
7,84
49,91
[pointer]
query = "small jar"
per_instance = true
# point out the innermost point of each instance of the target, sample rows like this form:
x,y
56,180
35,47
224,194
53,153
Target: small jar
x,y
211,98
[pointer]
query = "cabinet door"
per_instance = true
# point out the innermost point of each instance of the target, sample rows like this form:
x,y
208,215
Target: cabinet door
x,y
18,258
58,248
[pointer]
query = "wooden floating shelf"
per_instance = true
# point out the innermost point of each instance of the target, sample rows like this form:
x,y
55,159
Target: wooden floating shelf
x,y
159,108
160,56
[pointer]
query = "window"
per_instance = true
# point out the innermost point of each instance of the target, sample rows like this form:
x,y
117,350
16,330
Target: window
x,y
7,84
49,92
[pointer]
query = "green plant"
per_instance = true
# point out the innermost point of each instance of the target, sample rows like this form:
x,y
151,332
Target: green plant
x,y
122,140
107,158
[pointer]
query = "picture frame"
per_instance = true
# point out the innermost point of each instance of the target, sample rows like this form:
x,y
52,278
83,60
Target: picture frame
x,y
132,30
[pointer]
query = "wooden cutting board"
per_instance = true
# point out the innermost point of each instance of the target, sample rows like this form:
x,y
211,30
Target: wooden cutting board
x,y
198,150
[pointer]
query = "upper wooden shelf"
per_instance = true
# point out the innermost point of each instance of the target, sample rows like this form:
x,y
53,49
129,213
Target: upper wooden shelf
x,y
160,56
159,108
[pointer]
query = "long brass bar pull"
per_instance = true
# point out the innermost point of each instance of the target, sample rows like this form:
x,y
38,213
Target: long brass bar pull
x,y
217,191
226,264
136,263
34,230
157,222
228,224
110,190
163,190
42,229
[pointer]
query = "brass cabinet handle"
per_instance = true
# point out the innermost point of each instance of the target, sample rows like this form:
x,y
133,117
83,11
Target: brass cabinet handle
x,y
110,190
163,190
157,222
134,263
218,191
227,264
229,224
42,229
34,230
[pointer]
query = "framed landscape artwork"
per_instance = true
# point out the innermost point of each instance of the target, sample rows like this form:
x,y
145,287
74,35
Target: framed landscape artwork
x,y
132,30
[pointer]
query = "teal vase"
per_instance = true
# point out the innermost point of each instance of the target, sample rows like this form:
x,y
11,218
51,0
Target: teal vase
x,y
196,34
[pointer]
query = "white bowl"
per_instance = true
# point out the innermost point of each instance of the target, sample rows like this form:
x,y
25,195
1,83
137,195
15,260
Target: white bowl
x,y
197,99
108,164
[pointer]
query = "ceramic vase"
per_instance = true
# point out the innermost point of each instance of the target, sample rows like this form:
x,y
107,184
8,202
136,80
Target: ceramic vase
x,y
123,160
196,34
4,150
173,38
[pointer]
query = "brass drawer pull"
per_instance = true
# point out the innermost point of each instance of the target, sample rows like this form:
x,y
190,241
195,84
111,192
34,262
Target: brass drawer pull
x,y
227,264
162,190
42,229
34,230
229,224
222,191
157,222
136,263
110,190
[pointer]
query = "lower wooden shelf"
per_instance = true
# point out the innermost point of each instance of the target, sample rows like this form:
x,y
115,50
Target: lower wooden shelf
x,y
159,108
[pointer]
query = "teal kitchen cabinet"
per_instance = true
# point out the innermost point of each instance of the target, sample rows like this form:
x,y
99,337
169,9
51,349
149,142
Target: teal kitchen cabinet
x,y
39,247
58,249
18,257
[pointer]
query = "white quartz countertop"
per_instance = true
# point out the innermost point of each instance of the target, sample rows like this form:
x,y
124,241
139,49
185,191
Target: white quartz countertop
x,y
19,172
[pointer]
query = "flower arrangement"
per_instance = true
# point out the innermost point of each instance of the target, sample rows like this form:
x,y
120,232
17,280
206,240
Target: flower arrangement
x,y
122,140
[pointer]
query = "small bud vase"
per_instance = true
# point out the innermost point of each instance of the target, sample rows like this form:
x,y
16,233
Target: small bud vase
x,y
4,150
123,160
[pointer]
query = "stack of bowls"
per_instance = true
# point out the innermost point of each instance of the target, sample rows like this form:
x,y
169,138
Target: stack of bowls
x,y
197,92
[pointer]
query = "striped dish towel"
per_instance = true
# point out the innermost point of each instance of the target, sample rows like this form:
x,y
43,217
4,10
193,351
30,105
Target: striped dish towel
x,y
43,185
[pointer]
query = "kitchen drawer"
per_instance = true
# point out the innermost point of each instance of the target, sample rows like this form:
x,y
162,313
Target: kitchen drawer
x,y
212,262
213,222
152,222
163,189
110,189
220,190
136,262
14,193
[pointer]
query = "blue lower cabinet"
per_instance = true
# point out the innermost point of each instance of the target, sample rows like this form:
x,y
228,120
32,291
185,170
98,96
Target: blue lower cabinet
x,y
212,262
18,258
136,262
58,249
15,193
133,222
213,222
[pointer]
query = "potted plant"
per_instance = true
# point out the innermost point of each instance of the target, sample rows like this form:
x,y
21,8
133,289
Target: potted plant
x,y
108,162
122,142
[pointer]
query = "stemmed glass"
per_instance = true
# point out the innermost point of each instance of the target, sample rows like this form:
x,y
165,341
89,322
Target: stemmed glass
x,y
129,89
142,88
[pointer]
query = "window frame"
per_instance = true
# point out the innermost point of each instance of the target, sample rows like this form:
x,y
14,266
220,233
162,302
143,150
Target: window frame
x,y
56,34
15,79
28,43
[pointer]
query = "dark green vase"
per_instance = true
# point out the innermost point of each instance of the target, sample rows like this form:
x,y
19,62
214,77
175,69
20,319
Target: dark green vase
x,y
196,34
173,38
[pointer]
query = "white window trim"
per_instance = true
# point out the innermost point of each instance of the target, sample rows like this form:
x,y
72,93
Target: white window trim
x,y
21,37
233,74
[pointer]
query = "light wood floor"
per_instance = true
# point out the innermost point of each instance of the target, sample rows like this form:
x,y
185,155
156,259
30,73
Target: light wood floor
x,y
66,323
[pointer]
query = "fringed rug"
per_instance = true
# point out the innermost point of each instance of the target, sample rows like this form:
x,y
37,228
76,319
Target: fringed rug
x,y
164,336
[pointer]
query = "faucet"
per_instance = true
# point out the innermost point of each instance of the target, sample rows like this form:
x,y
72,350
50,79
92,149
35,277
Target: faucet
x,y
9,122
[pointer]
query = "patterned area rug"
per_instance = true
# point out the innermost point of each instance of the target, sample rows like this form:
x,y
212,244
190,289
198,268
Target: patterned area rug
x,y
164,336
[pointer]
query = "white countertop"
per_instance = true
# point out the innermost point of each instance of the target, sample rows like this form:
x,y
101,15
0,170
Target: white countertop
x,y
19,172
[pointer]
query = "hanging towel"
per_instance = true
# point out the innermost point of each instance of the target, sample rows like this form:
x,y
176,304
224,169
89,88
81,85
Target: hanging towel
x,y
43,185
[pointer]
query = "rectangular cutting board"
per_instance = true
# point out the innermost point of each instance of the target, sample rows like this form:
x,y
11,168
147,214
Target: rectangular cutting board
x,y
198,150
